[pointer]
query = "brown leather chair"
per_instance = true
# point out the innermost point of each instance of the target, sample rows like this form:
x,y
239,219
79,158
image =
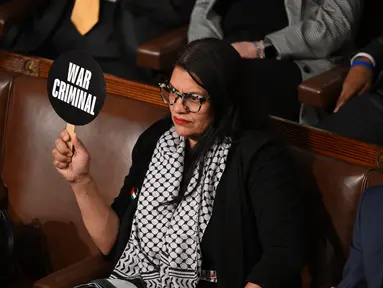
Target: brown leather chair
x,y
322,91
161,53
35,190
334,171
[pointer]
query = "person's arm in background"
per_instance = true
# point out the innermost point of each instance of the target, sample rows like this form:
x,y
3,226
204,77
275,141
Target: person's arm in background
x,y
200,27
375,50
332,24
100,220
278,206
365,66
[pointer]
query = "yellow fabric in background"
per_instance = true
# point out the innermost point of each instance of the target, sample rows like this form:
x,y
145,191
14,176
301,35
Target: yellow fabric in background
x,y
85,15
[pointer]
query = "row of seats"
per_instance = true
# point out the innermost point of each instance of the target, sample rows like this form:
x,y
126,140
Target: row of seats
x,y
334,172
159,54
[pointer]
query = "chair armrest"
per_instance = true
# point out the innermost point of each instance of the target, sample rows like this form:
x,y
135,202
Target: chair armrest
x,y
94,267
15,11
323,90
161,52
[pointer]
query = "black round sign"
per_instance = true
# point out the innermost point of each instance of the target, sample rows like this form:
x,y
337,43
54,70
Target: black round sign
x,y
76,87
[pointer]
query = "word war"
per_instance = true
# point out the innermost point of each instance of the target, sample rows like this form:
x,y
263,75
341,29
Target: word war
x,y
75,96
76,87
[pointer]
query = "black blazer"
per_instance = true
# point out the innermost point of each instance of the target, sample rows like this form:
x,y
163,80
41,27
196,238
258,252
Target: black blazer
x,y
364,266
257,230
31,34
375,49
136,21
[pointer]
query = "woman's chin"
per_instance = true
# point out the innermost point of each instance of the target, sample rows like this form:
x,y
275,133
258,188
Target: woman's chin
x,y
182,131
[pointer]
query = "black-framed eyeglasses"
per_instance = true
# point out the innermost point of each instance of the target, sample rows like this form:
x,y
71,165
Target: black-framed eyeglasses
x,y
192,102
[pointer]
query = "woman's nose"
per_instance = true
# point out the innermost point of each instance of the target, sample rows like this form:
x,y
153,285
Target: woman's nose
x,y
178,106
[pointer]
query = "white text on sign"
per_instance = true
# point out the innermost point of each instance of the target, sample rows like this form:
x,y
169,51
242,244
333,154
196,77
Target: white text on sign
x,y
73,95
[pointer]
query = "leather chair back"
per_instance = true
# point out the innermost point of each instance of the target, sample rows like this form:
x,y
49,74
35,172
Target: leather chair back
x,y
333,188
334,171
36,191
35,188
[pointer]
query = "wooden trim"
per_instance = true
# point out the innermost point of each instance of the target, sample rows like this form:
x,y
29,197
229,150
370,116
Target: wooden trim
x,y
309,138
329,144
19,63
39,67
119,86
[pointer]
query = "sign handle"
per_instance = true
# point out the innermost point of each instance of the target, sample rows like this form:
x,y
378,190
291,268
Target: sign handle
x,y
70,129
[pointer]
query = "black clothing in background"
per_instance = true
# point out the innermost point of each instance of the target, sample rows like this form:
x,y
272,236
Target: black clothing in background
x,y
361,118
270,83
123,26
256,232
251,20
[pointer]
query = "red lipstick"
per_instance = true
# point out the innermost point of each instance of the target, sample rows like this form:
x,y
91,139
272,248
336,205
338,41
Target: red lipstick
x,y
180,121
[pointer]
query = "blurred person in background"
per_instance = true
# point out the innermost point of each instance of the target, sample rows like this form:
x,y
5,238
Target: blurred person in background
x,y
359,111
283,42
109,30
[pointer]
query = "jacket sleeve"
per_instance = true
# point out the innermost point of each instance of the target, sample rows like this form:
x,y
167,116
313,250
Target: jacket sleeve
x,y
321,34
353,274
124,204
141,155
278,206
375,49
123,201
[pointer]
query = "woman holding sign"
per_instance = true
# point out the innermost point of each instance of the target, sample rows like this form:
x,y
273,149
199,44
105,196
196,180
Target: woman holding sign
x,y
206,202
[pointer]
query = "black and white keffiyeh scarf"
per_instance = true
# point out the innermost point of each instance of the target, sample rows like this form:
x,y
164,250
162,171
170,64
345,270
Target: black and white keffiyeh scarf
x,y
164,246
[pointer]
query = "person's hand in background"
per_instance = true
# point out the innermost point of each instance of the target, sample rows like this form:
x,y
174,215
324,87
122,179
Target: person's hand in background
x,y
252,285
359,79
246,49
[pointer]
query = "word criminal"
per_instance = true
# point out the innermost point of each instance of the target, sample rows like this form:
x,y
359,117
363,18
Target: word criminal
x,y
72,95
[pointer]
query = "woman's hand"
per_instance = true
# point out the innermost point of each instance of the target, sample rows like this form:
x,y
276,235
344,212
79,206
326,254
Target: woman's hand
x,y
359,79
74,167
252,285
246,49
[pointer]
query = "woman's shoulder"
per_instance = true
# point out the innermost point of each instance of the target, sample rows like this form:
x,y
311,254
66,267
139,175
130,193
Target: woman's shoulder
x,y
151,135
264,153
147,141
255,148
258,141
